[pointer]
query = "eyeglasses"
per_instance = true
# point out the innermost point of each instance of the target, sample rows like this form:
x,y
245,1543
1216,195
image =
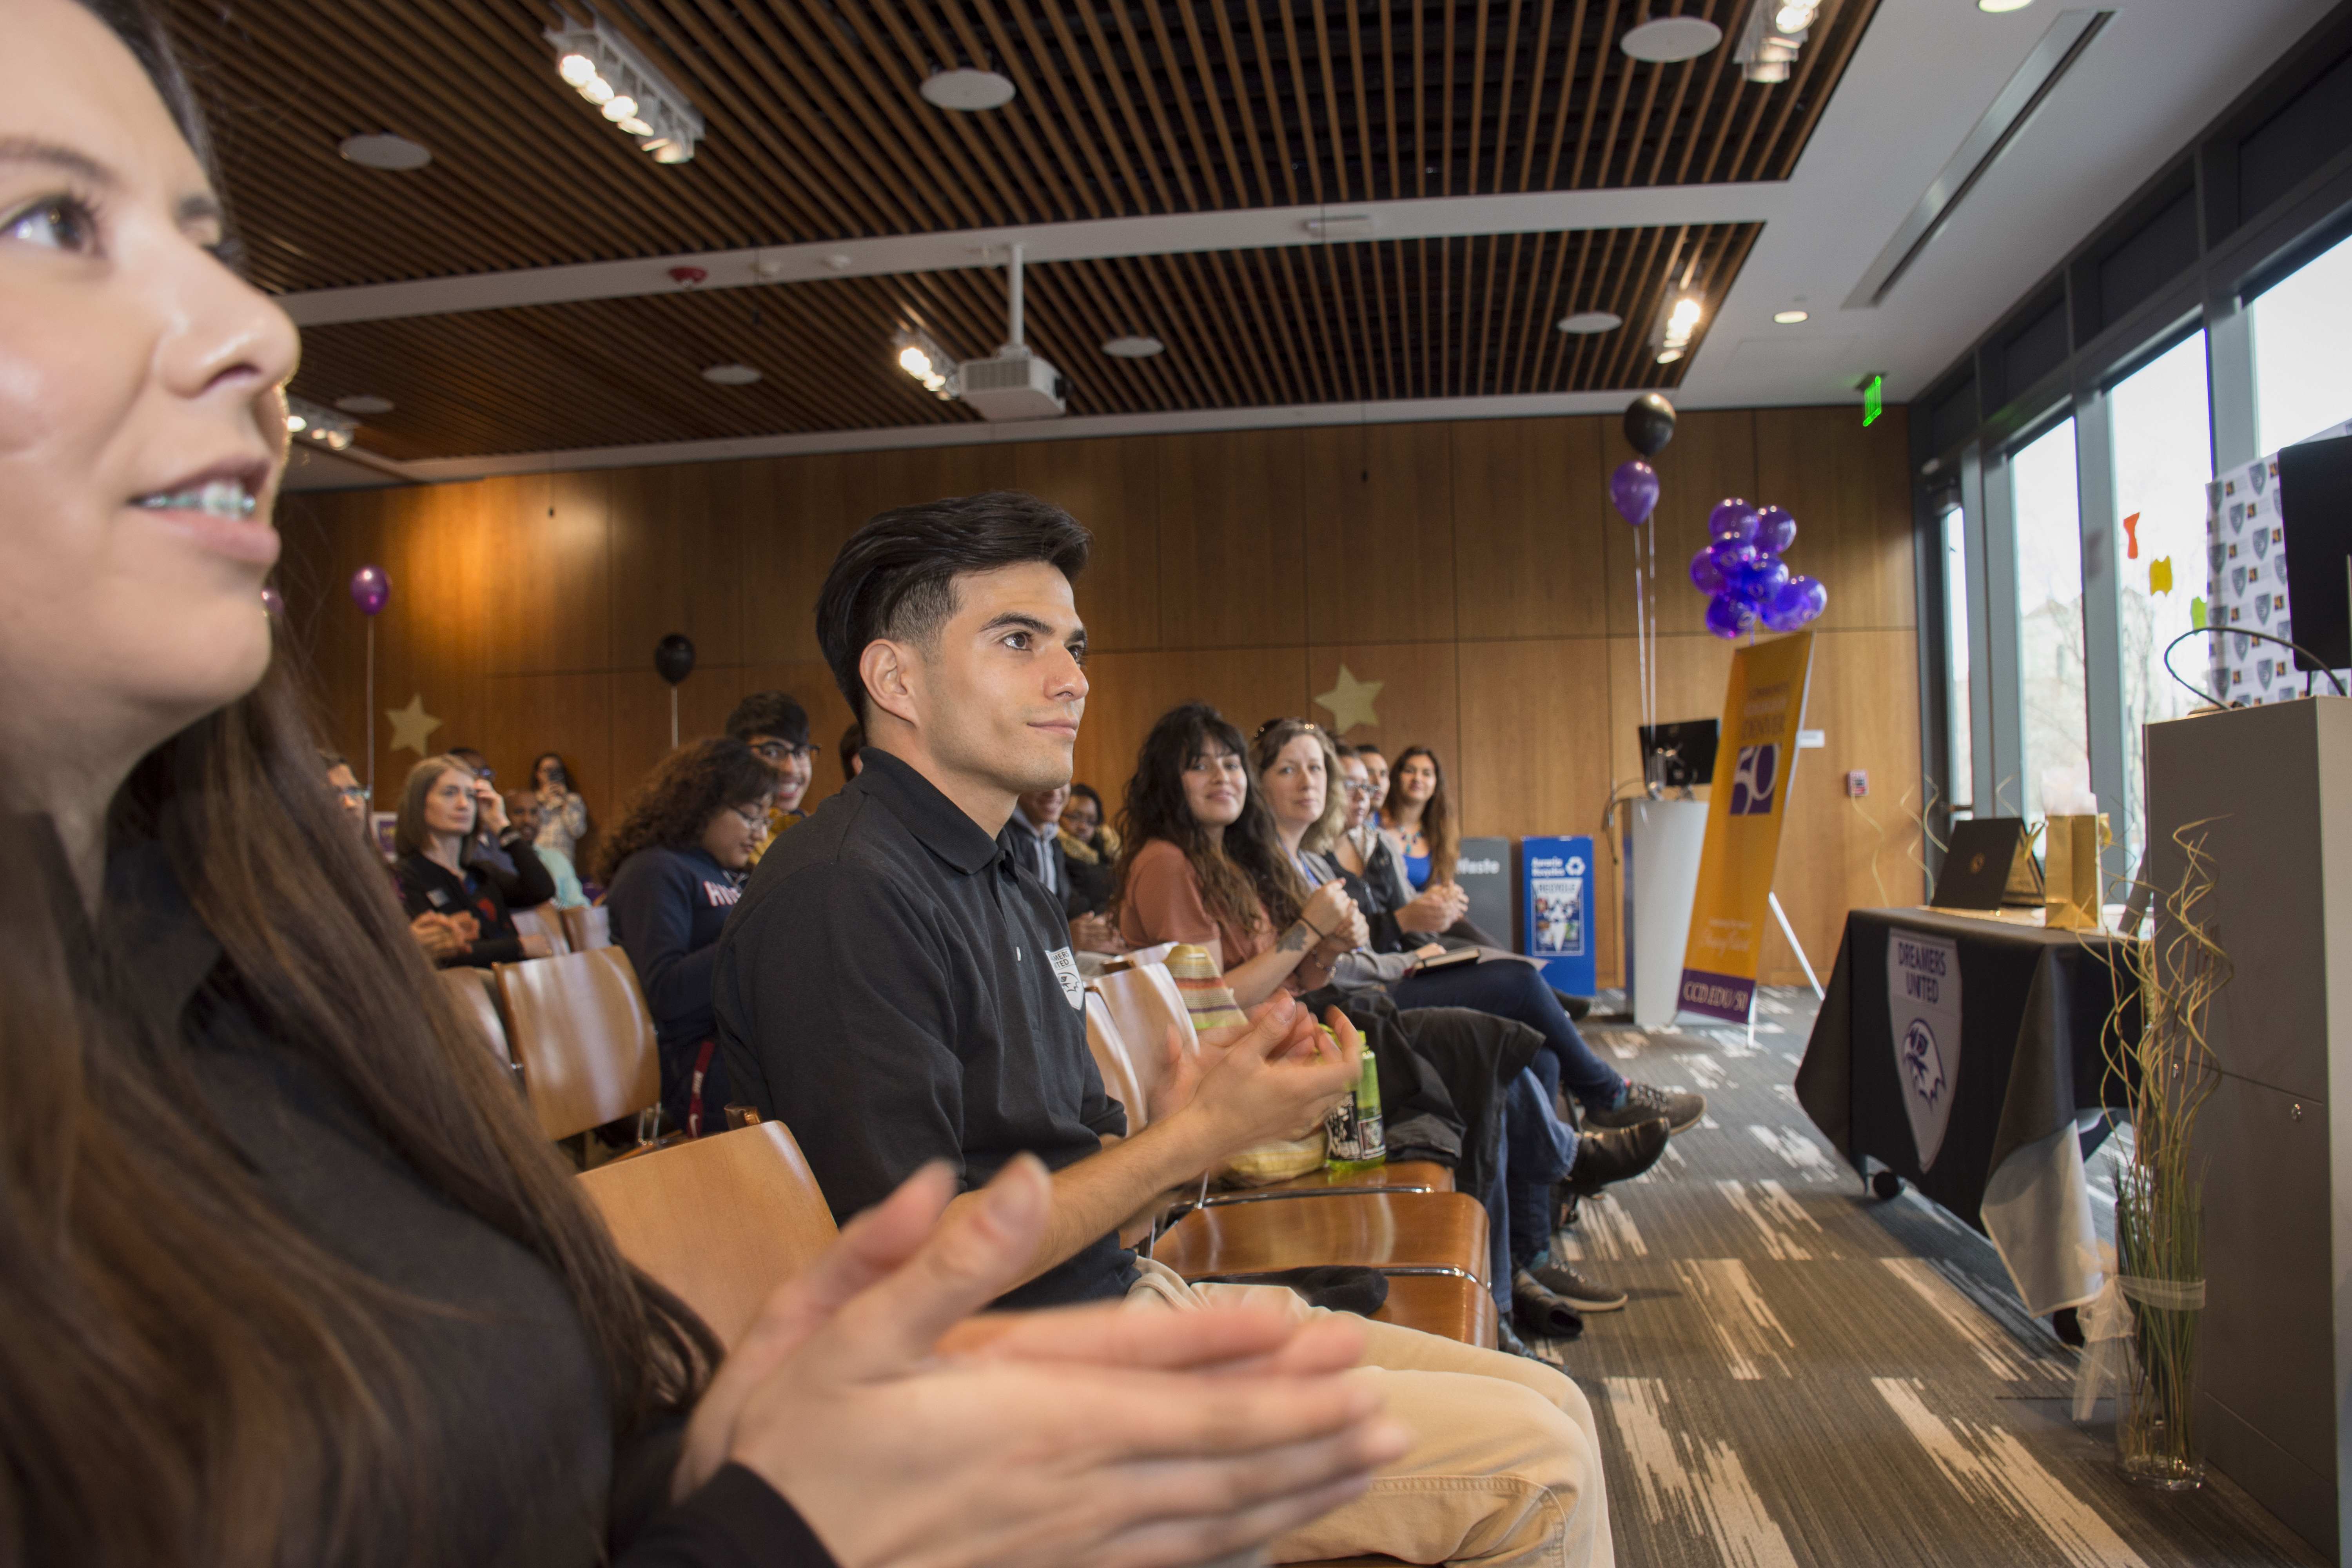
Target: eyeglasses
x,y
755,817
776,750
355,794
1357,786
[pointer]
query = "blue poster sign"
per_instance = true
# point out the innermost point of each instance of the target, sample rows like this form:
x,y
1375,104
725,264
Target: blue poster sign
x,y
1558,881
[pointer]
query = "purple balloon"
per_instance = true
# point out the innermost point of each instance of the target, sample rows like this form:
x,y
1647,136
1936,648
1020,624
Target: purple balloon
x,y
1760,581
1705,574
1730,556
1800,600
273,604
1732,519
1727,618
1633,491
371,589
1775,530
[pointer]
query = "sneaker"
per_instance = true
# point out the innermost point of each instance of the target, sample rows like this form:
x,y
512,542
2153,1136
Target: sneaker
x,y
1680,1110
1564,1282
1616,1154
1541,1315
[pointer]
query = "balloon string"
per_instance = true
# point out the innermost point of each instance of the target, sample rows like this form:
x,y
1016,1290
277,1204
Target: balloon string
x,y
1650,664
1641,653
368,718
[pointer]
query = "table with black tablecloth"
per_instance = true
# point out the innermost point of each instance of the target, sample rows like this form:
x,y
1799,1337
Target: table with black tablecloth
x,y
2029,1072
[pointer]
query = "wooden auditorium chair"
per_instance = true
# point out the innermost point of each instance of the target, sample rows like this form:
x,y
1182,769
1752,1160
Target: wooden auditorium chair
x,y
1429,1244
476,994
588,928
579,1027
543,919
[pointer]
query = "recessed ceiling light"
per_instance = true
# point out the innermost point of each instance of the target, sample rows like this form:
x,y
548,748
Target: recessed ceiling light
x,y
1668,356
1997,7
1135,346
1671,38
1788,318
365,403
1591,322
730,375
384,152
967,89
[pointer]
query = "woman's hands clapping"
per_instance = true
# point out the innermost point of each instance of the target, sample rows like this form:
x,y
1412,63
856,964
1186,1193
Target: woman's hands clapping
x,y
904,1433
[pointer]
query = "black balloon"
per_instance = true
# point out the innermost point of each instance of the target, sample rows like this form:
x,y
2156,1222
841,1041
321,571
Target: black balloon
x,y
1649,423
674,658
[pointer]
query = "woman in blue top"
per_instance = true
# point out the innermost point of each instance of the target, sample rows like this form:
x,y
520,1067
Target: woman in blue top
x,y
1418,821
675,863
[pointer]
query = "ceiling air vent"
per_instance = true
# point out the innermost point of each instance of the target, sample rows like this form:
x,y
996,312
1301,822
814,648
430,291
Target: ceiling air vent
x,y
2011,110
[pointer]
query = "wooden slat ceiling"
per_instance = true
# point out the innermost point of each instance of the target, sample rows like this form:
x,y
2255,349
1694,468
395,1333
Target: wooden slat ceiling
x,y
1397,318
817,130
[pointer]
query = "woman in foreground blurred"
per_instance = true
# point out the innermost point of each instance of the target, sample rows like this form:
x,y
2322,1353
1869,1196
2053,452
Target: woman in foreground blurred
x,y
287,1273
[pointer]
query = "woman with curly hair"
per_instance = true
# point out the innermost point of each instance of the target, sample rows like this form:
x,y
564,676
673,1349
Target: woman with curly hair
x,y
674,863
1202,863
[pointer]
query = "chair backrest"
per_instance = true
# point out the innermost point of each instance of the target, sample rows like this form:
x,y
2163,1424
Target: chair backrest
x,y
1142,1005
588,928
1109,1051
1138,958
721,1221
476,996
586,1044
543,919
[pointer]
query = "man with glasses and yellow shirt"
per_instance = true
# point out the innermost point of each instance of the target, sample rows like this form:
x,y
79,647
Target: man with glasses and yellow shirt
x,y
776,727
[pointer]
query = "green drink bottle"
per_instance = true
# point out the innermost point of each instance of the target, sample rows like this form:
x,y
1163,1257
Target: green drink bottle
x,y
1352,1135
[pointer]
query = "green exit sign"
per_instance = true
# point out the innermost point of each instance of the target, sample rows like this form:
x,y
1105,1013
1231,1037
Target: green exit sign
x,y
1873,400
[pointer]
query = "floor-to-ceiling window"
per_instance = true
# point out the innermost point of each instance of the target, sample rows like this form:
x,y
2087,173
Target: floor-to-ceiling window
x,y
2163,458
2056,763
1958,710
2302,332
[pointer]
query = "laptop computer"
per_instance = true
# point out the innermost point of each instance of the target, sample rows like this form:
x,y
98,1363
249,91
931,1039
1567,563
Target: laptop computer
x,y
1990,864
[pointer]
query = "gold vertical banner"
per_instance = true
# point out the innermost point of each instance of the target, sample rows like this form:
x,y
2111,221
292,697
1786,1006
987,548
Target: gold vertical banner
x,y
1754,760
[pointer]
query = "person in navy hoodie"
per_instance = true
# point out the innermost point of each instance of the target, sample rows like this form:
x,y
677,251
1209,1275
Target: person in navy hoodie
x,y
674,865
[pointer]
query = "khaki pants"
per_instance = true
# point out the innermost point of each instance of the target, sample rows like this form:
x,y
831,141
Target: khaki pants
x,y
1505,1467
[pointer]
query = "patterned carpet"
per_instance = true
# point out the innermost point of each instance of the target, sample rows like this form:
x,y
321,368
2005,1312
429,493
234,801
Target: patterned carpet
x,y
1808,1376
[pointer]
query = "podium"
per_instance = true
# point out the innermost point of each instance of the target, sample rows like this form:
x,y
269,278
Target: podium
x,y
2275,1392
1663,839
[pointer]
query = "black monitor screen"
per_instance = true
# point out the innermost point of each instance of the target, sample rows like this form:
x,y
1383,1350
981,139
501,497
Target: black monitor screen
x,y
2316,510
1677,756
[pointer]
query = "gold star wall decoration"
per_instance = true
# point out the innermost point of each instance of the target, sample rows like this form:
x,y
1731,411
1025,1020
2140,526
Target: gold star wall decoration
x,y
1350,702
412,727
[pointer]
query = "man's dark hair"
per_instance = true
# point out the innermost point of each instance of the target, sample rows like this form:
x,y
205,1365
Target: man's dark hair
x,y
895,577
776,713
329,760
853,741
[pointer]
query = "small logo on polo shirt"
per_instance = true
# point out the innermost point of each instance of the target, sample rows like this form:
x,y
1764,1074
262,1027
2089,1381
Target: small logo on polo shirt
x,y
1066,970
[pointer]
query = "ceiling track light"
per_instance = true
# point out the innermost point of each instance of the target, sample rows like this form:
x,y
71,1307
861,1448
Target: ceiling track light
x,y
317,425
918,354
1769,44
631,93
1678,322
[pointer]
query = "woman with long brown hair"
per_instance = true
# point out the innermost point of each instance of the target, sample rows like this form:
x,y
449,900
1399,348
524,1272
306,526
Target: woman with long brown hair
x,y
1419,820
287,1273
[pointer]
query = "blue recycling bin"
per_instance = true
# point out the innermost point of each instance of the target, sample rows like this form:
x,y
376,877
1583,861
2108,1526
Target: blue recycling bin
x,y
1555,883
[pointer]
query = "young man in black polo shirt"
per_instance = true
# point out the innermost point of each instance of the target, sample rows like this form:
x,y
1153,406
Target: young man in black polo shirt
x,y
896,990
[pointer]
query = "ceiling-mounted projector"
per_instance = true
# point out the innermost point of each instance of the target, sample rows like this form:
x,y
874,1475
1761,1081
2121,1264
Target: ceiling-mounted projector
x,y
1015,385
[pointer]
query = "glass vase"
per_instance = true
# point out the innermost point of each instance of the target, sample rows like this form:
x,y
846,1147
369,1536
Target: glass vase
x,y
2160,1244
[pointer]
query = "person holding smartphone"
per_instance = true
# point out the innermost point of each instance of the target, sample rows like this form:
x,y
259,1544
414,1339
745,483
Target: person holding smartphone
x,y
447,814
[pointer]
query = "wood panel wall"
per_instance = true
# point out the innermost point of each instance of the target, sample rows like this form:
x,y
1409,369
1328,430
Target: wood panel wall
x,y
1473,569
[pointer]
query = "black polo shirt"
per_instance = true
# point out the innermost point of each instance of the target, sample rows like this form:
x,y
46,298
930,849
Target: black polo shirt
x,y
894,988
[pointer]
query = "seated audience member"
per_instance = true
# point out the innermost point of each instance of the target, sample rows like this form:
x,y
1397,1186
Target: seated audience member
x,y
1376,768
776,727
1362,851
440,936
1090,850
526,816
674,864
562,815
441,868
1294,760
316,1292
1416,819
1033,835
852,740
896,992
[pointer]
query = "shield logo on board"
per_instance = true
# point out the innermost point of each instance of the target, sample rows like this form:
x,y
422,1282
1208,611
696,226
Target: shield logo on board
x,y
2237,579
2260,473
2261,543
2237,516
2262,608
1927,1088
2263,674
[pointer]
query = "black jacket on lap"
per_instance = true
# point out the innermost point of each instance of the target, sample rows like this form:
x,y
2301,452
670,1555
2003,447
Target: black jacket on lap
x,y
524,1468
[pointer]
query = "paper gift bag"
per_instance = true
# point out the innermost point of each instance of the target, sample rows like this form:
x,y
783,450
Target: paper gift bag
x,y
2070,870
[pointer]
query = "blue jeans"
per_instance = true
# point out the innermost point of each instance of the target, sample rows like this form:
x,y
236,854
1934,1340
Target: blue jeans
x,y
1536,1150
1518,991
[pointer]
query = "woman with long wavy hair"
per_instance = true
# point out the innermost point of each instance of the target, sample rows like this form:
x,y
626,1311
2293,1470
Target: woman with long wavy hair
x,y
1417,819
288,1274
1199,863
675,863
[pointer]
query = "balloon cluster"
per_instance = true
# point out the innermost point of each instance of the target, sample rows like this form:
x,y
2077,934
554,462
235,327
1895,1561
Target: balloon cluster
x,y
1747,582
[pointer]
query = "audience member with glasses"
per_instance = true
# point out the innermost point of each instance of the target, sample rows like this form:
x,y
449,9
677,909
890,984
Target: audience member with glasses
x,y
441,937
776,727
675,863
